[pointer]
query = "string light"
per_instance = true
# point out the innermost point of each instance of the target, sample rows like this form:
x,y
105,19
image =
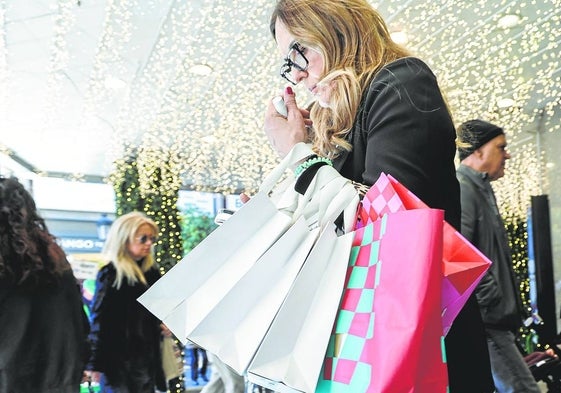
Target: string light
x,y
209,127
213,122
4,77
215,119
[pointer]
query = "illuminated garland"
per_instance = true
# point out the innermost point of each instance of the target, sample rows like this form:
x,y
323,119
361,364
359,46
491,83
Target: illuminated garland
x,y
516,228
3,62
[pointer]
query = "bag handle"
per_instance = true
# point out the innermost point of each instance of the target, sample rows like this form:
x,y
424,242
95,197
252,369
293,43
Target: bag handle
x,y
298,152
342,199
336,195
345,201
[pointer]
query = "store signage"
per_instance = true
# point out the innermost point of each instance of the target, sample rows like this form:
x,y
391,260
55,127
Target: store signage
x,y
80,244
84,270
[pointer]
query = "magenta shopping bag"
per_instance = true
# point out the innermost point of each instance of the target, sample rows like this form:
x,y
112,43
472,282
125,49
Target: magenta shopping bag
x,y
463,265
388,333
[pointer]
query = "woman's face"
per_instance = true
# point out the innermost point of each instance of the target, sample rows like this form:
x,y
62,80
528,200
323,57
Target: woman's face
x,y
313,73
141,245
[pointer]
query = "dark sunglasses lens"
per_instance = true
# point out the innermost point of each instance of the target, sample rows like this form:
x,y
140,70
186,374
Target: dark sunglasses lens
x,y
145,238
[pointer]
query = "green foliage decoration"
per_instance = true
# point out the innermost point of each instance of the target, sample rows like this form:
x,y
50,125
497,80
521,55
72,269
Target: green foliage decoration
x,y
517,233
195,226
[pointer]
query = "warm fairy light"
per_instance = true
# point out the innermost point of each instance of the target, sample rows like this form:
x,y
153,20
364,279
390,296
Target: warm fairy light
x,y
509,21
212,122
505,102
203,130
400,37
215,120
200,69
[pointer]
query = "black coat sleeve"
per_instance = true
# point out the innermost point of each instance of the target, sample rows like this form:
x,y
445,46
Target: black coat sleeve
x,y
103,282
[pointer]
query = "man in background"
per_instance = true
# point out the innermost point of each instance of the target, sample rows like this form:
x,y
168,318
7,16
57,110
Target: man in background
x,y
483,155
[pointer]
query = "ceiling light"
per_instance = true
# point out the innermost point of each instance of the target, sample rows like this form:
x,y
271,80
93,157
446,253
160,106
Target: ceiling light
x,y
200,69
505,102
454,93
400,37
509,21
114,83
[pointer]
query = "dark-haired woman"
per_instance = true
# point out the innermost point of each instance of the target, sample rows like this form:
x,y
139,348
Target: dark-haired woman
x,y
43,327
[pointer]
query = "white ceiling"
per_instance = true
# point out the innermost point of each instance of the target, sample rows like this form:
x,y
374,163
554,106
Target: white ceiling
x,y
81,79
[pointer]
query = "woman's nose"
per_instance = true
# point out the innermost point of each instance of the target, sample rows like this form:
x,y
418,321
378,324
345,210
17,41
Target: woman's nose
x,y
298,75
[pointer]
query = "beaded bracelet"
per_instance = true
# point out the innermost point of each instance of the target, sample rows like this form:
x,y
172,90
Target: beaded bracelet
x,y
310,162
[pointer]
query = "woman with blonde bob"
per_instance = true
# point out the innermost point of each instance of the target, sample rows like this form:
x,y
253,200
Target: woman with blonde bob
x,y
377,110
125,337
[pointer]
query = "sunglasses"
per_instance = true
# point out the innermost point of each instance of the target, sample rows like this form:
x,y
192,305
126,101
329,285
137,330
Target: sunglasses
x,y
144,239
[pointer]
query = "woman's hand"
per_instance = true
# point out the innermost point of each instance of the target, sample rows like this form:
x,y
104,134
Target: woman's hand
x,y
165,330
91,376
244,198
284,133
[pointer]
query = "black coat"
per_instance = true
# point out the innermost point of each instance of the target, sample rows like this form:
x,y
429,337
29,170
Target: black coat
x,y
497,294
122,329
43,334
403,128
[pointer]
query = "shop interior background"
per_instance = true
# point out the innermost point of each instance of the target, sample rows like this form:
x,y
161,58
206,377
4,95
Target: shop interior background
x,y
83,81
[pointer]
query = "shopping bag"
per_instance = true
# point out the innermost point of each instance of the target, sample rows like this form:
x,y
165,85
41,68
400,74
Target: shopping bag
x,y
388,335
290,357
172,365
203,277
234,328
191,290
217,262
463,264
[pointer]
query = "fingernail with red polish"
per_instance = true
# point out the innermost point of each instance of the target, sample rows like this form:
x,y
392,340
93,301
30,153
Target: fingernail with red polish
x,y
289,90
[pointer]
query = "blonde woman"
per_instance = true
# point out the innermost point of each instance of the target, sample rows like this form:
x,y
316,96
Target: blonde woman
x,y
125,337
377,109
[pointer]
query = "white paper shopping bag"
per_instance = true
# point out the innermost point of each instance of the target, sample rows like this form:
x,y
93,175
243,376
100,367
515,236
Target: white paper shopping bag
x,y
217,263
234,329
291,355
189,290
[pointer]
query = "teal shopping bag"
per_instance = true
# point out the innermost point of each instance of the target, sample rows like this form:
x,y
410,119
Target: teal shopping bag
x,y
89,387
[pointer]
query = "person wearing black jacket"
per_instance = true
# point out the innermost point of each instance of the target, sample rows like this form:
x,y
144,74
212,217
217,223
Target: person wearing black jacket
x,y
125,336
43,326
483,155
377,109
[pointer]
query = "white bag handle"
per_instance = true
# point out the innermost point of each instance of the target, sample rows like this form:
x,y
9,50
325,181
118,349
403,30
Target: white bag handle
x,y
299,152
336,195
328,194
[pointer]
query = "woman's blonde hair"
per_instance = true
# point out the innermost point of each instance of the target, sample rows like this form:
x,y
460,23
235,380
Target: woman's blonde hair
x,y
355,43
120,235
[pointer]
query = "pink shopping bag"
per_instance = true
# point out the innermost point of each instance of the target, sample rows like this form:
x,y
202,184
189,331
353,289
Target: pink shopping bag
x,y
388,334
463,265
